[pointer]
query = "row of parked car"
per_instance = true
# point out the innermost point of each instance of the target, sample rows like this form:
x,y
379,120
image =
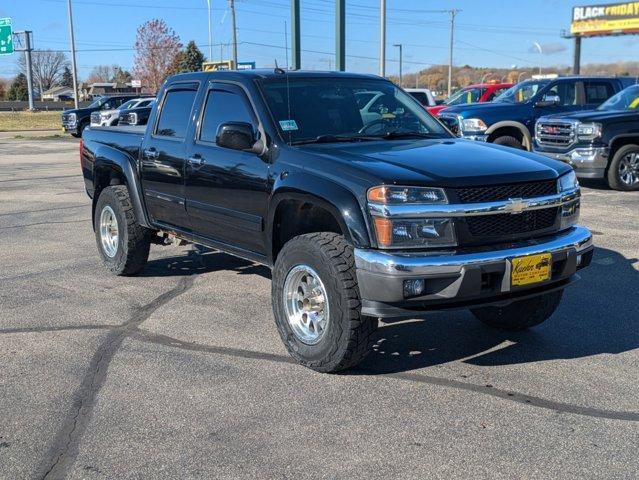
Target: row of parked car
x,y
592,123
108,111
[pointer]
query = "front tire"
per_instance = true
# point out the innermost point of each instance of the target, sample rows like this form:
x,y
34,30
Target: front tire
x,y
508,141
122,242
317,305
521,314
623,172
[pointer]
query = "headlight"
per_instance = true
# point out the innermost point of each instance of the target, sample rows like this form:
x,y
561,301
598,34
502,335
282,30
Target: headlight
x,y
473,125
392,195
409,232
414,232
567,182
588,131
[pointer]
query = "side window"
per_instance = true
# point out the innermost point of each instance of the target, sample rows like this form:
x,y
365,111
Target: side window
x,y
223,106
598,92
175,113
495,93
566,92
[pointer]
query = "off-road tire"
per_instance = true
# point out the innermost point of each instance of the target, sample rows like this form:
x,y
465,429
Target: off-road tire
x,y
612,174
348,337
508,141
134,240
521,314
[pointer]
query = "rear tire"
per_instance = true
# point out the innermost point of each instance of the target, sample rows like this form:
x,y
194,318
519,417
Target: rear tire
x,y
521,314
323,264
122,242
625,161
508,141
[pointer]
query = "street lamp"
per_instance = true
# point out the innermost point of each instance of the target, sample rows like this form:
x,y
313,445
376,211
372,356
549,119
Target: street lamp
x,y
208,2
400,46
519,76
541,52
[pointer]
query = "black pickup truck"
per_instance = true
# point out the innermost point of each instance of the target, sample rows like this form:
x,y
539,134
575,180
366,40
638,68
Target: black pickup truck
x,y
358,216
600,143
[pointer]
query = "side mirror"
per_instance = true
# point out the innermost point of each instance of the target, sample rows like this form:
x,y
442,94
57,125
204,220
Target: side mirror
x,y
548,101
238,136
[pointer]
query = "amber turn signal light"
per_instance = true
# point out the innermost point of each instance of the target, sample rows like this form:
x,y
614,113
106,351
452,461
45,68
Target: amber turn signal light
x,y
383,229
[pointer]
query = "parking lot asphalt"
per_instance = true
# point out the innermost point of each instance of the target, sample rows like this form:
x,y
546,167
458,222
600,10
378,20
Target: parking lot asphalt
x,y
180,373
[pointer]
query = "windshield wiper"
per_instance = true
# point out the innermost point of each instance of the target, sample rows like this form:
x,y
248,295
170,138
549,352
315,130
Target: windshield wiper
x,y
333,139
400,134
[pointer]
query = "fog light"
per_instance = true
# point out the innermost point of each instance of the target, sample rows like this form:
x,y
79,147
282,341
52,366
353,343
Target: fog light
x,y
413,287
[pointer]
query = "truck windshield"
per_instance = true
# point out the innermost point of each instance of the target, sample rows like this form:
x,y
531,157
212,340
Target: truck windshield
x,y
522,92
627,99
326,110
98,102
466,95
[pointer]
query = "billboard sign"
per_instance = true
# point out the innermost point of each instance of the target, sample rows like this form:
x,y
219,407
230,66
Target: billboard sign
x,y
608,19
6,36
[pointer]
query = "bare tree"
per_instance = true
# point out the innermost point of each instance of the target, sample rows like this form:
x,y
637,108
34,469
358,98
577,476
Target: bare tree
x,y
157,47
48,67
101,73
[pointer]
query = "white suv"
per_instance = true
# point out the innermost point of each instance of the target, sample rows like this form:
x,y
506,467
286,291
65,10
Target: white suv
x,y
108,118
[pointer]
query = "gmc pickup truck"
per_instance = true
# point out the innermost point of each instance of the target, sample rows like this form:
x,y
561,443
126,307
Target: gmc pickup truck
x,y
510,118
600,143
358,219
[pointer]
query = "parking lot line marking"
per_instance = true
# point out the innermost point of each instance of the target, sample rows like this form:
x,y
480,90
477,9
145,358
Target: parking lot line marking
x,y
530,400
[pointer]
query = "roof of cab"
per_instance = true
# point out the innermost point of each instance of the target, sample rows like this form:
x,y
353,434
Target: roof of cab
x,y
266,73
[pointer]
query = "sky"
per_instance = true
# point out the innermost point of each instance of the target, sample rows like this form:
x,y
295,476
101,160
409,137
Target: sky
x,y
489,33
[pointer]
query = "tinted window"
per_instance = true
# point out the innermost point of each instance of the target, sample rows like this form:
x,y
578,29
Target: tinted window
x,y
598,92
223,106
566,92
175,114
495,93
420,97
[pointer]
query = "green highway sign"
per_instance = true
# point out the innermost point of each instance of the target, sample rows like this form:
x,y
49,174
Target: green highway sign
x,y
6,36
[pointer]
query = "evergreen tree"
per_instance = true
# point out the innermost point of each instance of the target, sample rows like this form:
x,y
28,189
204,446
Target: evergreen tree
x,y
67,78
19,90
192,59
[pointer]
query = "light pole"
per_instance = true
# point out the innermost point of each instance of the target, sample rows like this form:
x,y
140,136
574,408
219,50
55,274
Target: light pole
x,y
453,14
519,76
208,2
400,46
541,53
73,67
382,38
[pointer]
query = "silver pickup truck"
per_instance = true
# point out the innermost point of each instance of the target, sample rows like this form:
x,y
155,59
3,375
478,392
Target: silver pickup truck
x,y
108,118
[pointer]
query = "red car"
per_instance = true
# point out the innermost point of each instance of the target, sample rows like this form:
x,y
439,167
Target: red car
x,y
479,93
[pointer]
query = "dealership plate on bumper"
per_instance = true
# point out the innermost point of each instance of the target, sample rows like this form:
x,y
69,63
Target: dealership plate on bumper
x,y
530,269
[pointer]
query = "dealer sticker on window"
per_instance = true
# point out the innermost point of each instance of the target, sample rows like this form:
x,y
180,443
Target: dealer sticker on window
x,y
288,125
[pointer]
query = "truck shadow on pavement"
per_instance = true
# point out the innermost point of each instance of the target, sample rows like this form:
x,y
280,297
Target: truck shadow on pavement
x,y
599,314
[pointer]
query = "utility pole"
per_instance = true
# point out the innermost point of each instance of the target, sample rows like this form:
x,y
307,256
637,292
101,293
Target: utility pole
x,y
453,13
401,60
295,35
576,63
232,5
208,2
27,53
340,35
74,71
382,38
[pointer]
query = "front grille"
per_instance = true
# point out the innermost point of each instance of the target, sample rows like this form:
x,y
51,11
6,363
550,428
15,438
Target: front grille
x,y
554,133
451,121
95,117
504,192
512,224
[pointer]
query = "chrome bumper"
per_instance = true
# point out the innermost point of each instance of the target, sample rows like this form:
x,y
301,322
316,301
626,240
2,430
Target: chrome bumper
x,y
587,162
454,278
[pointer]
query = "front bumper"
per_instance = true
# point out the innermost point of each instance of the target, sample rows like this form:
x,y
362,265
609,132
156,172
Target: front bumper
x,y
461,279
70,128
588,162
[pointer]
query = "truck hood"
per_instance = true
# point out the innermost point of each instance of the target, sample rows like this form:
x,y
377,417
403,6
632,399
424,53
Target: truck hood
x,y
445,163
593,115
471,110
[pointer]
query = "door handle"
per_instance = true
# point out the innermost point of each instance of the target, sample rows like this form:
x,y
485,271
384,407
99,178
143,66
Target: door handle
x,y
151,153
196,160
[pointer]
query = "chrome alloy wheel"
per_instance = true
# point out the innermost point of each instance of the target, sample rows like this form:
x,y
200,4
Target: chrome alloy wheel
x,y
629,169
306,304
109,231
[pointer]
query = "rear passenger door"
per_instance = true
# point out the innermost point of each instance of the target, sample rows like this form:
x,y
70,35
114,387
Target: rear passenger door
x,y
163,156
226,190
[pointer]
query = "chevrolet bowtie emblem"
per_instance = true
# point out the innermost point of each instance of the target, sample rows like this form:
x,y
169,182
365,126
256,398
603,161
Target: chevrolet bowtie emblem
x,y
516,205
